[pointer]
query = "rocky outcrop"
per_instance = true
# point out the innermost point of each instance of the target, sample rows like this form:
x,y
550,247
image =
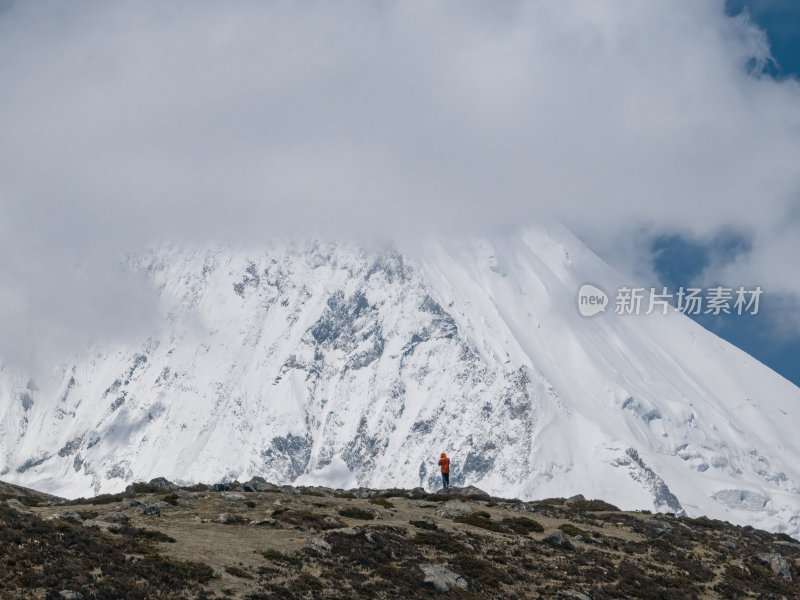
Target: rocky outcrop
x,y
442,578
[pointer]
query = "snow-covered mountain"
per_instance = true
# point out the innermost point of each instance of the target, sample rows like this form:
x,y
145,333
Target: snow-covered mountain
x,y
331,363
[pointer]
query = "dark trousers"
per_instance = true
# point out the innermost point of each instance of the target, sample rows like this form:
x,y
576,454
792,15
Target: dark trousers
x,y
446,479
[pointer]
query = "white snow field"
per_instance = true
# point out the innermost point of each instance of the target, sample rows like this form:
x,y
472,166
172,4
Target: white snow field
x,y
329,363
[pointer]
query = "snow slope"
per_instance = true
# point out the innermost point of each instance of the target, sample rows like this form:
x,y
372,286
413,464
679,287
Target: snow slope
x,y
314,362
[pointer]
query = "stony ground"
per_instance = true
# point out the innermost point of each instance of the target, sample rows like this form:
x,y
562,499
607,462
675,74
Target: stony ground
x,y
256,540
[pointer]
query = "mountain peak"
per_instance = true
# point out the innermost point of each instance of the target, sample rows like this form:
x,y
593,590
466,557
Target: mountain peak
x,y
343,365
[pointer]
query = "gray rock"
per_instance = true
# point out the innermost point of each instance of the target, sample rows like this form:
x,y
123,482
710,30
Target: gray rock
x,y
134,503
573,499
728,544
183,503
161,505
263,522
370,537
317,543
160,483
778,564
443,514
558,540
228,519
220,487
70,595
457,507
16,504
660,525
69,514
235,497
54,501
332,522
352,531
442,578
102,525
461,492
362,492
420,504
259,484
152,510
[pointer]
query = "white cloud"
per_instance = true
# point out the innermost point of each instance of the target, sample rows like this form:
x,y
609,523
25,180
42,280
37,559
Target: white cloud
x,y
124,123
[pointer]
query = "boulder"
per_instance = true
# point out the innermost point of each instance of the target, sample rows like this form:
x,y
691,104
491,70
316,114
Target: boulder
x,y
235,497
417,492
778,564
162,484
659,525
263,522
317,543
70,595
220,487
442,578
332,522
227,518
259,484
573,499
558,540
457,507
469,491
152,510
103,525
362,492
69,514
16,504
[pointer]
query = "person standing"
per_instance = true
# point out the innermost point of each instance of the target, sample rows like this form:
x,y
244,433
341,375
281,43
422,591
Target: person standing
x,y
444,463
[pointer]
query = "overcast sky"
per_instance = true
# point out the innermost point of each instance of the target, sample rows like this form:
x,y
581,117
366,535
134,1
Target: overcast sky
x,y
123,124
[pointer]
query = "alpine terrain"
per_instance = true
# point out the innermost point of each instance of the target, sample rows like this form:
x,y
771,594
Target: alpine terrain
x,y
314,363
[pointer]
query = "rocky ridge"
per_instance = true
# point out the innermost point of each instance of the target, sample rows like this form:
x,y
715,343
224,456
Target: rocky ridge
x,y
257,540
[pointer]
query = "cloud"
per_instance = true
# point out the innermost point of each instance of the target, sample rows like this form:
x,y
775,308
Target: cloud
x,y
131,122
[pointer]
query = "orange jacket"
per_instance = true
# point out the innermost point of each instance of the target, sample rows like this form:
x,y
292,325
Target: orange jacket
x,y
444,462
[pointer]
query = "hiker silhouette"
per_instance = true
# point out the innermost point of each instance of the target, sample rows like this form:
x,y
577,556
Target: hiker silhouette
x,y
444,463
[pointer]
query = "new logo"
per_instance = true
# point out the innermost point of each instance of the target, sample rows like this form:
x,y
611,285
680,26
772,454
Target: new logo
x,y
591,300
